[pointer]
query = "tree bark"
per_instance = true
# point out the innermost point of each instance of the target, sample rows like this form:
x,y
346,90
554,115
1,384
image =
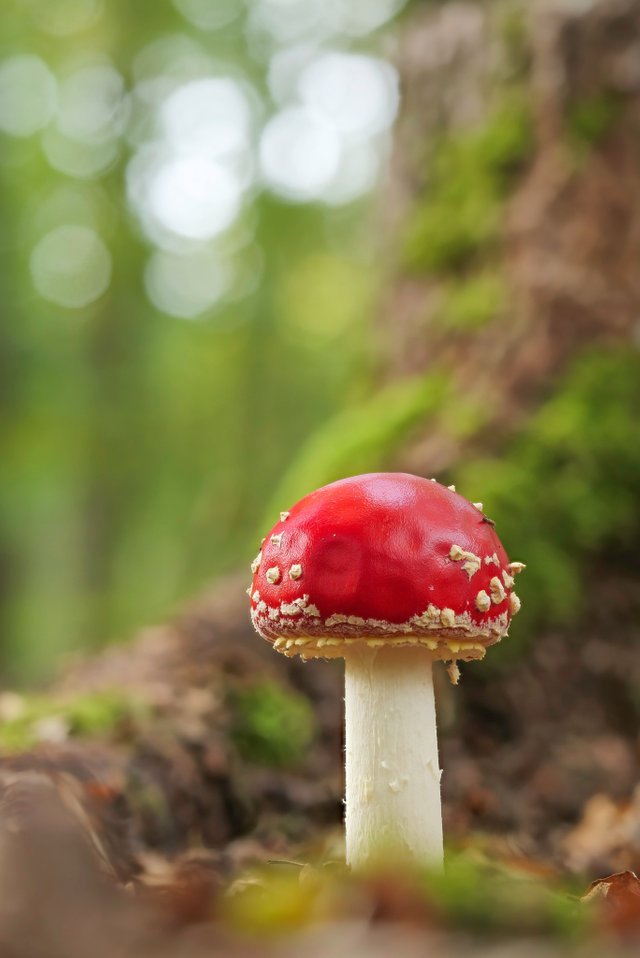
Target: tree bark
x,y
569,235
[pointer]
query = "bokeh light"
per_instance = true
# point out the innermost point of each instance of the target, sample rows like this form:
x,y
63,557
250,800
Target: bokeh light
x,y
189,179
92,104
187,285
358,173
299,154
92,112
27,95
194,197
207,15
198,150
210,117
359,17
203,144
285,67
166,62
357,94
289,21
83,160
329,143
71,266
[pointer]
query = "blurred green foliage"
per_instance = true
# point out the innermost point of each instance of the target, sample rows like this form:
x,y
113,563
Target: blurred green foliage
x,y
460,215
471,302
590,119
270,725
138,449
566,489
484,897
101,715
361,438
474,896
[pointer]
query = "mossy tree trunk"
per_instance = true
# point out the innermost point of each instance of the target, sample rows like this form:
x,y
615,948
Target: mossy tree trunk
x,y
513,207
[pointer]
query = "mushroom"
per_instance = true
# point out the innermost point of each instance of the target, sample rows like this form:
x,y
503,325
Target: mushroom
x,y
390,572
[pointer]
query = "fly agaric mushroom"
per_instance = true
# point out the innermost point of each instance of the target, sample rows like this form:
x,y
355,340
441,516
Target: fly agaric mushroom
x,y
390,572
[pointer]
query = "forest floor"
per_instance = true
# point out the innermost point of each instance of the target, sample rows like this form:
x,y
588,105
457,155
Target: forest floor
x,y
181,795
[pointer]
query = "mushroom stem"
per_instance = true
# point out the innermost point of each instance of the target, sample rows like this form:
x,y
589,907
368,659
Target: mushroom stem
x,y
391,762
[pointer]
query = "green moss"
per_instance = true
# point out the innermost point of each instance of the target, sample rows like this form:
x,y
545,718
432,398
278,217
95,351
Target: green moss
x,y
487,898
464,418
446,233
98,715
470,176
474,897
16,737
515,34
472,302
589,120
567,489
270,726
101,714
274,905
360,439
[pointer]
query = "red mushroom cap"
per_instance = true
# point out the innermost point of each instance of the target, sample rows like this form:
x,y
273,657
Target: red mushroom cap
x,y
383,558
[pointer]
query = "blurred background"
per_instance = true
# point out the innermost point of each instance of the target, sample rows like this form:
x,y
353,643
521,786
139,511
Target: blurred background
x,y
187,283
237,263
252,247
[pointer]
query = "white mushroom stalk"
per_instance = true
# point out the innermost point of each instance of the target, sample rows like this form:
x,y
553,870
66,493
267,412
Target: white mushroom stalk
x,y
391,757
